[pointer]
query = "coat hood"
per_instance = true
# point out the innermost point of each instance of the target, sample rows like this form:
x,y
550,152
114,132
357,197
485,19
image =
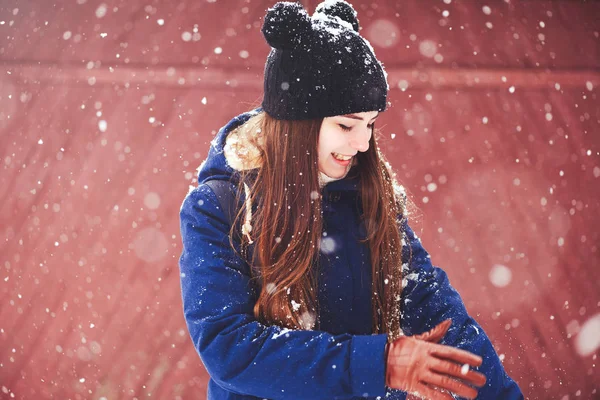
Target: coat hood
x,y
236,148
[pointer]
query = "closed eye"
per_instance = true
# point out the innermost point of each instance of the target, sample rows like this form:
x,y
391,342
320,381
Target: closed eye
x,y
347,128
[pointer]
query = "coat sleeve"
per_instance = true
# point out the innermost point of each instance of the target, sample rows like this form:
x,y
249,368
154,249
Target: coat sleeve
x,y
428,299
241,354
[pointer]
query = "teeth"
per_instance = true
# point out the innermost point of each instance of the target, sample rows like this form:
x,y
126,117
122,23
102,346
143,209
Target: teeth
x,y
341,157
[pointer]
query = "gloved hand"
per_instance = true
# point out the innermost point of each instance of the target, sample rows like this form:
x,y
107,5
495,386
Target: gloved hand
x,y
418,365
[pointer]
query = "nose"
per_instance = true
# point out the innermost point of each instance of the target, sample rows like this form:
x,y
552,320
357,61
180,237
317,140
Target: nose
x,y
360,141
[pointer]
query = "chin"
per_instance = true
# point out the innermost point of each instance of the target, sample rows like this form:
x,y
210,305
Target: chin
x,y
337,174
332,172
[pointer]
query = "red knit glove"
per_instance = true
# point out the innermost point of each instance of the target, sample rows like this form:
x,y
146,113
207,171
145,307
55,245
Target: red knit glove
x,y
418,365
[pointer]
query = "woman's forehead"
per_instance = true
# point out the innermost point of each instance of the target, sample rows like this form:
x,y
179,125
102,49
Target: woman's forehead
x,y
361,116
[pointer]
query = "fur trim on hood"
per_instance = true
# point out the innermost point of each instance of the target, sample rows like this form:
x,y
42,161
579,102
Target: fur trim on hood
x,y
243,143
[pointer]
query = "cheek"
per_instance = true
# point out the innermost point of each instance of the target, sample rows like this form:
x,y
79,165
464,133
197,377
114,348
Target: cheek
x,y
329,140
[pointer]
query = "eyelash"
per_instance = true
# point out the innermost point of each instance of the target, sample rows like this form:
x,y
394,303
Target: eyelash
x,y
346,128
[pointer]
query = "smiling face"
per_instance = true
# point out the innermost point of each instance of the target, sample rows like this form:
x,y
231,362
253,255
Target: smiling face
x,y
341,137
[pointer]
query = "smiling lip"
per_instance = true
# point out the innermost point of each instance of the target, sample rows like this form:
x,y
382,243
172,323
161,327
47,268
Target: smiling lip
x,y
343,155
344,163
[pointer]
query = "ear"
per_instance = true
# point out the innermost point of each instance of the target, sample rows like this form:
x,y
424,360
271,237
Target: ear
x,y
287,25
341,9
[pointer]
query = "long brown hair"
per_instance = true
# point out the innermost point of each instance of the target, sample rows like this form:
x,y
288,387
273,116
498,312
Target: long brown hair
x,y
287,225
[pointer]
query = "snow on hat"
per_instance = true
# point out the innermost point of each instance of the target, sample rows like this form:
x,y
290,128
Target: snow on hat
x,y
319,66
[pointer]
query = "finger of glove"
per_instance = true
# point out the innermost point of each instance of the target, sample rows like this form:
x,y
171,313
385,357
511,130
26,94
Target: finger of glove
x,y
456,355
425,392
454,386
449,368
435,334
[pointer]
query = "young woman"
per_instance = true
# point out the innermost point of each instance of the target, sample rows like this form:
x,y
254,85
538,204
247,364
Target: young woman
x,y
300,275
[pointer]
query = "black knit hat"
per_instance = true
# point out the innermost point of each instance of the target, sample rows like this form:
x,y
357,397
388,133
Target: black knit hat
x,y
319,66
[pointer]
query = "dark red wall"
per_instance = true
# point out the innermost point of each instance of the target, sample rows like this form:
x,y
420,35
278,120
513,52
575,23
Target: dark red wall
x,y
107,109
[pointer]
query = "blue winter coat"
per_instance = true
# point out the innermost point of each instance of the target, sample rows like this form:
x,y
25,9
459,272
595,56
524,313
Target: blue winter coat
x,y
342,359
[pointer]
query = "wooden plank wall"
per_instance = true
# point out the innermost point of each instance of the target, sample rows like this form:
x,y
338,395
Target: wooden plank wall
x,y
108,107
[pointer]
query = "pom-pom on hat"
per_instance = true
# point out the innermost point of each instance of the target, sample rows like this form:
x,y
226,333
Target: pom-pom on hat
x,y
319,66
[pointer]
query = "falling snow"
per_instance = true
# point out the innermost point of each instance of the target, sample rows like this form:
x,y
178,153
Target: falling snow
x,y
499,156
500,275
588,340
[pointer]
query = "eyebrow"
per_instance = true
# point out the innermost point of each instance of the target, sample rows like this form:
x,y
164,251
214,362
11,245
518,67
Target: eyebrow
x,y
354,116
